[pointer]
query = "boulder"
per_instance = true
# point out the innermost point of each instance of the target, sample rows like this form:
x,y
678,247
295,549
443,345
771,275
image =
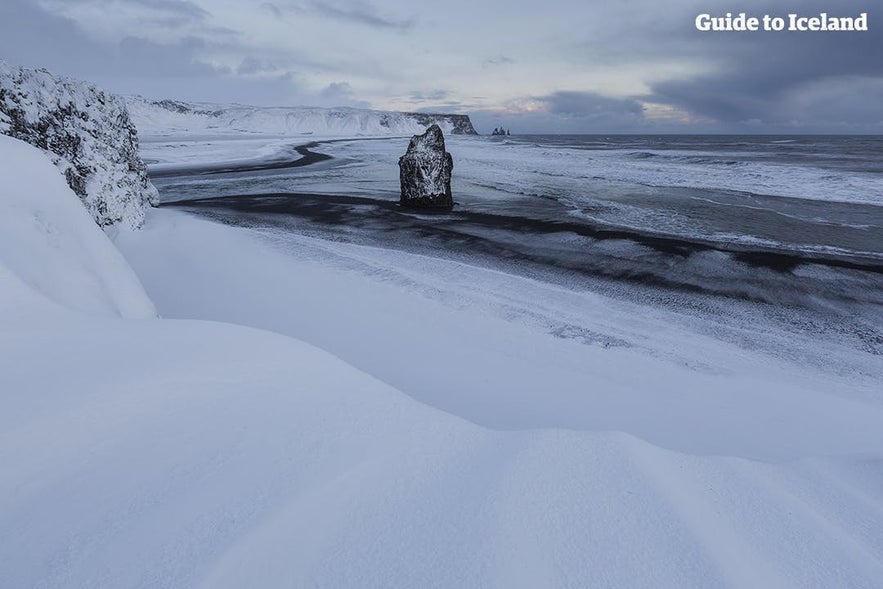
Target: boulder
x,y
425,172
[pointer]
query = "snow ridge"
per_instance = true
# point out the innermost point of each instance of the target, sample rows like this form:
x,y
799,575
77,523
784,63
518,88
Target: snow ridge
x,y
50,249
167,117
88,135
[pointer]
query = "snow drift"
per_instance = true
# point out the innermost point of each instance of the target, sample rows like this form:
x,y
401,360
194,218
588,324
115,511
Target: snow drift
x,y
182,119
49,244
88,135
182,453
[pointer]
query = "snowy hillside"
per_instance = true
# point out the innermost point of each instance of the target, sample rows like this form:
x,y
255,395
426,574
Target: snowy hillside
x,y
88,135
49,245
193,453
181,119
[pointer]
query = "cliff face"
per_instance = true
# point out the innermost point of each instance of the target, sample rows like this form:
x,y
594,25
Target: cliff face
x,y
165,117
87,134
459,124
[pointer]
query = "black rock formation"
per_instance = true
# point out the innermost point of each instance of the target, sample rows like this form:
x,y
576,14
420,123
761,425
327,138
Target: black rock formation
x,y
425,172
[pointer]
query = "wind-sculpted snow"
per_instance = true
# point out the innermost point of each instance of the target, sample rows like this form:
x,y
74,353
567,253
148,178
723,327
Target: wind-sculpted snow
x,y
181,119
212,455
88,135
50,246
564,439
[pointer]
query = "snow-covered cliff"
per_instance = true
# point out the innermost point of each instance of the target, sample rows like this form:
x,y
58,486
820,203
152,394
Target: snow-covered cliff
x,y
87,134
169,117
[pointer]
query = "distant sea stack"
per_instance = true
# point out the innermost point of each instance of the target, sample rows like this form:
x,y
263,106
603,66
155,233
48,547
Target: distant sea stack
x,y
425,172
87,134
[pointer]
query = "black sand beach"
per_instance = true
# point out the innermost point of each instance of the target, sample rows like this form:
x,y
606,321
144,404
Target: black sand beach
x,y
836,291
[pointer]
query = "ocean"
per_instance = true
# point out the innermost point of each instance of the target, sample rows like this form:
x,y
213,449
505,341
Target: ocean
x,y
775,220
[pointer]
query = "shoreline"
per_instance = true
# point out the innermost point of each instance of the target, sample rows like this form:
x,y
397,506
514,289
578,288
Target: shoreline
x,y
306,158
324,208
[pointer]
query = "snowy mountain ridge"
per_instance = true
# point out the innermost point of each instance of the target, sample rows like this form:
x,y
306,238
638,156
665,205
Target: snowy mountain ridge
x,y
165,117
88,135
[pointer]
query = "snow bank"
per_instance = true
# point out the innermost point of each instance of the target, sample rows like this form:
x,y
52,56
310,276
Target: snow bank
x,y
49,243
181,119
211,455
201,454
185,453
87,134
508,352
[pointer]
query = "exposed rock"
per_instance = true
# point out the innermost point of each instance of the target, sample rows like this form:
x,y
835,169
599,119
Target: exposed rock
x,y
425,172
87,134
198,118
459,124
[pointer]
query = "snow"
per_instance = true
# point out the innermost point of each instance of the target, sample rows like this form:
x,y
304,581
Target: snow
x,y
164,154
210,455
87,134
193,452
180,134
483,344
49,243
180,119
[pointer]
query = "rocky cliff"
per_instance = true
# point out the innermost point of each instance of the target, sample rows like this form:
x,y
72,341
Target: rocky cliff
x,y
458,124
87,134
165,117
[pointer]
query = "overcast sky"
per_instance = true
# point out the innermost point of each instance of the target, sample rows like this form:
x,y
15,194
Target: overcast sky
x,y
579,66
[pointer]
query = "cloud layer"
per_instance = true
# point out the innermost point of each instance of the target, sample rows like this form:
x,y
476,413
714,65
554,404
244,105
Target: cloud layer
x,y
579,67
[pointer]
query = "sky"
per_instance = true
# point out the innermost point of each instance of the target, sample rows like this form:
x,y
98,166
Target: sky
x,y
561,66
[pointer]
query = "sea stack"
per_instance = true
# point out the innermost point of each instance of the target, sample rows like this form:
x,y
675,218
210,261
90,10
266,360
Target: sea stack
x,y
425,172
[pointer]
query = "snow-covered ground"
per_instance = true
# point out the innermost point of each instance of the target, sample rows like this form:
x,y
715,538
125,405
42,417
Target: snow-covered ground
x,y
163,154
177,134
509,352
51,246
573,440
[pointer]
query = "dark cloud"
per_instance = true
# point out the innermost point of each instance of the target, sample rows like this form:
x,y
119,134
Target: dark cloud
x,y
361,13
350,11
149,59
249,65
74,53
811,80
428,96
569,112
170,13
134,65
692,81
340,94
498,60
274,10
179,7
589,105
